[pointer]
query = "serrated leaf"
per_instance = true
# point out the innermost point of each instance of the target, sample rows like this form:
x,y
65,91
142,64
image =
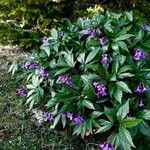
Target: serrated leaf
x,y
130,122
81,58
123,86
69,59
105,125
118,94
123,37
125,138
144,128
123,111
123,45
96,114
88,104
146,114
91,56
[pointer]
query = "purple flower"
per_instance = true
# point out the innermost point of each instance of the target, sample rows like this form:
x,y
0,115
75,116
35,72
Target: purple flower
x,y
30,65
78,119
139,54
140,89
106,146
45,40
61,34
105,59
22,91
103,41
69,115
89,31
93,33
43,72
49,116
100,89
145,26
141,103
66,80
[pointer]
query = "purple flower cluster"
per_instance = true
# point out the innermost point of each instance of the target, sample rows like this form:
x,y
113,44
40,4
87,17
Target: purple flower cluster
x,y
49,116
78,119
140,89
66,80
105,59
145,26
100,89
30,65
92,32
139,54
22,91
106,146
45,40
103,41
43,72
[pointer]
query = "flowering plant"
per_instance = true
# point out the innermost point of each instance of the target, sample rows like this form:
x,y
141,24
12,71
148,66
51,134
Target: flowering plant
x,y
93,75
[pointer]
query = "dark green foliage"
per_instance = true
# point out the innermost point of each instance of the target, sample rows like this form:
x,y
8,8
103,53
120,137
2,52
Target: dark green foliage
x,y
24,22
78,53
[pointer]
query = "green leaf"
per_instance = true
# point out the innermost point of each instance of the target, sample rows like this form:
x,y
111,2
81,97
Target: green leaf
x,y
123,86
96,114
125,75
61,71
35,81
123,111
123,45
125,139
69,59
31,104
91,56
104,126
138,37
46,48
130,122
146,114
54,33
144,128
57,118
88,104
81,58
63,120
123,37
124,69
118,94
13,68
129,15
77,130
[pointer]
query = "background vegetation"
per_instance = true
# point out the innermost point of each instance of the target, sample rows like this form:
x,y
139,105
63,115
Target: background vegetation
x,y
24,22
